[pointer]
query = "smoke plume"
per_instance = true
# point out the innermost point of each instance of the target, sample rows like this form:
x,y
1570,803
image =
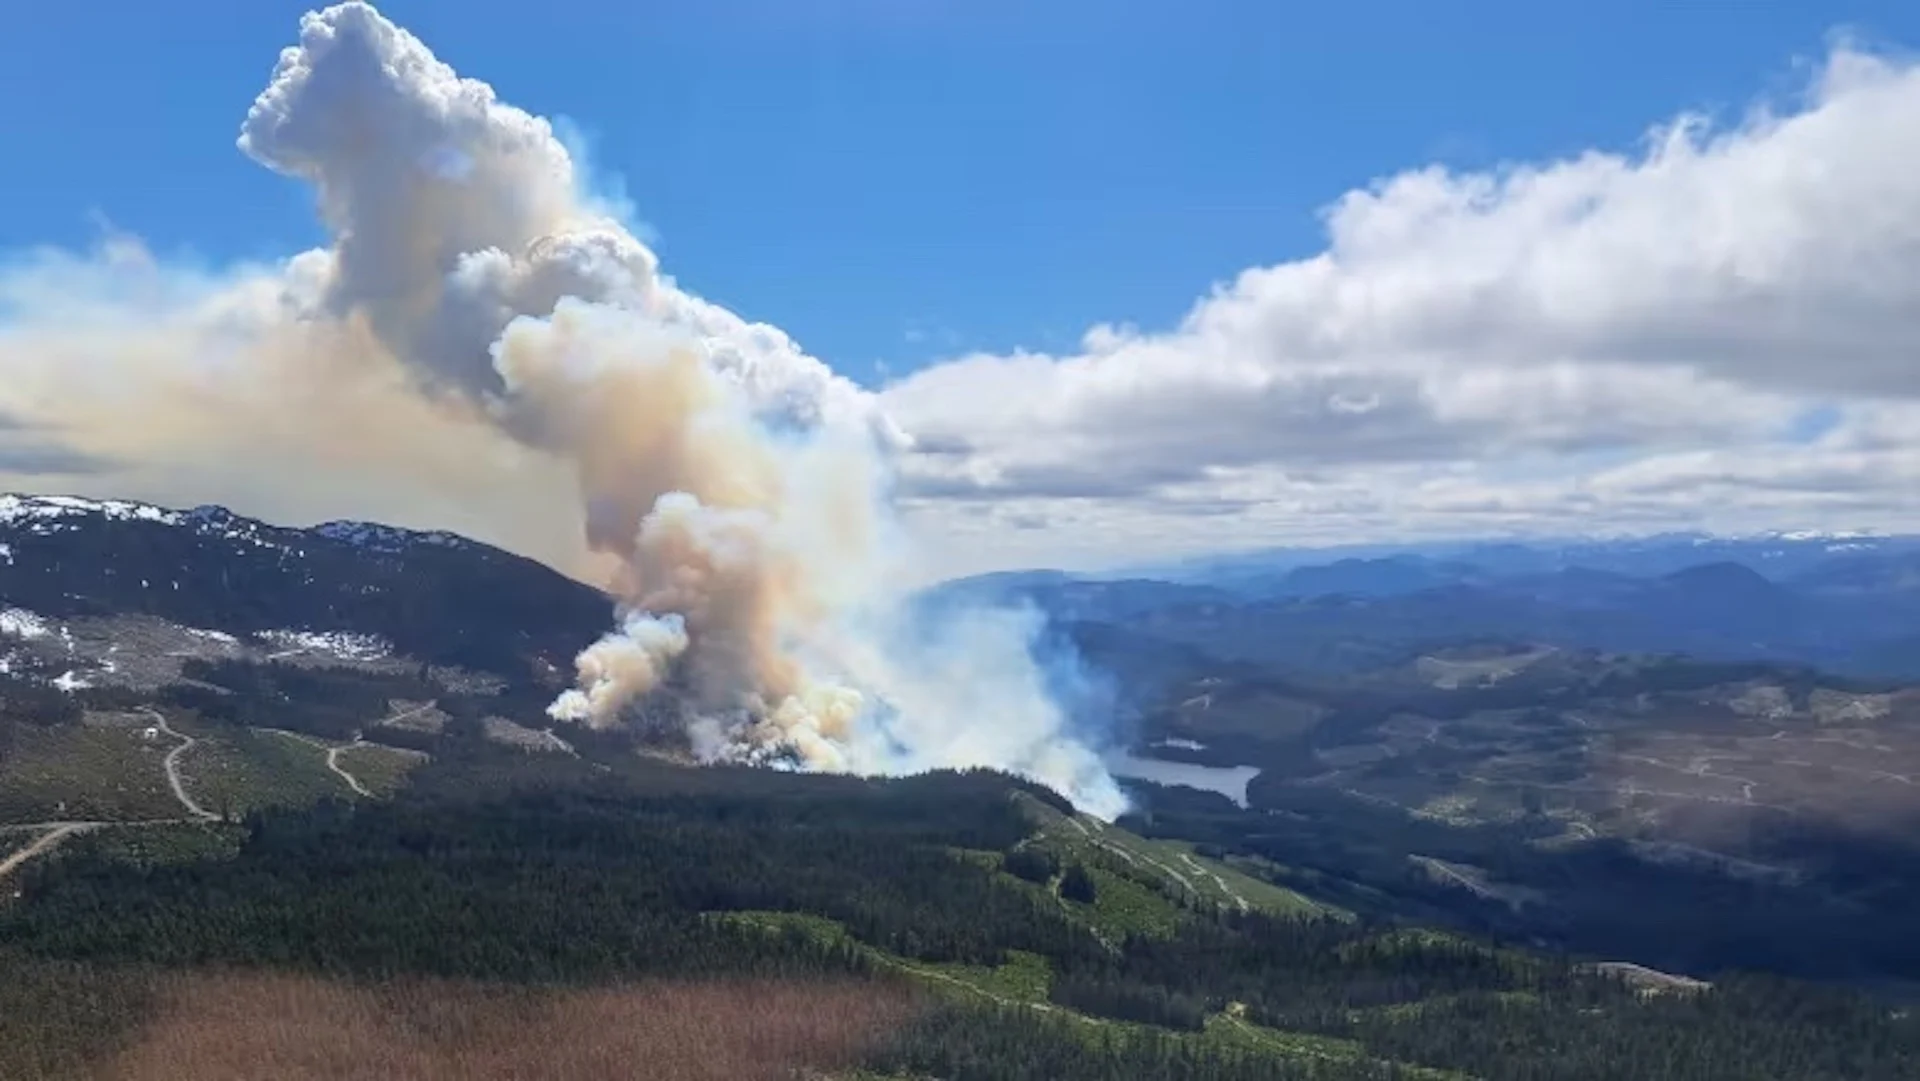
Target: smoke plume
x,y
477,314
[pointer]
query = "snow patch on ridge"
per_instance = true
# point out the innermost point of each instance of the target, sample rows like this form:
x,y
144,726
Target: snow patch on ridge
x,y
15,509
342,644
70,682
383,538
20,623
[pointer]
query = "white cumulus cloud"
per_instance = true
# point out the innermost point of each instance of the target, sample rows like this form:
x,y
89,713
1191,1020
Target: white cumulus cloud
x,y
1566,340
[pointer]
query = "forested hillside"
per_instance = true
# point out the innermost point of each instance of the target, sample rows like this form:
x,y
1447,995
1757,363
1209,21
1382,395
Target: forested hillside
x,y
1020,941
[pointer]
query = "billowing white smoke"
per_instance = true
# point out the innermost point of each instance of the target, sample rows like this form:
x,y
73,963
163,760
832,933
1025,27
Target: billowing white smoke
x,y
738,484
631,661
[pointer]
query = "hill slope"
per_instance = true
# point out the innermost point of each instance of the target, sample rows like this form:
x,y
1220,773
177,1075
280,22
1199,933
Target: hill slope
x,y
935,893
431,596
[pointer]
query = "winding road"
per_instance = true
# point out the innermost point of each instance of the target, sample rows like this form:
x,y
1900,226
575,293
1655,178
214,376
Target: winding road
x,y
333,756
60,831
333,763
172,764
333,750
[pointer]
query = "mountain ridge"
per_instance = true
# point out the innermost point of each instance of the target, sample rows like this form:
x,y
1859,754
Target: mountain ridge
x,y
435,595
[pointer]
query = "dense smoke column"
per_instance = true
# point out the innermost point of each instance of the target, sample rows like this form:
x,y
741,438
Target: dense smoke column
x,y
734,485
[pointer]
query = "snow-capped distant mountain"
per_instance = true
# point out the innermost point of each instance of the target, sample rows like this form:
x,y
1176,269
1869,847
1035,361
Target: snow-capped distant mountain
x,y
47,515
44,513
361,586
385,538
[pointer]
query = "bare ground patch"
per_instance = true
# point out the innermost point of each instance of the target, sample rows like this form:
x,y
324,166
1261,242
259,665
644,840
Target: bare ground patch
x,y
234,1026
502,730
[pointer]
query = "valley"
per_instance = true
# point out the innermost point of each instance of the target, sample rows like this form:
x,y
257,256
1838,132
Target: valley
x,y
1321,874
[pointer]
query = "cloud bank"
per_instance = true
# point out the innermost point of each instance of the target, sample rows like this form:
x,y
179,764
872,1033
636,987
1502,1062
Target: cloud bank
x,y
1714,330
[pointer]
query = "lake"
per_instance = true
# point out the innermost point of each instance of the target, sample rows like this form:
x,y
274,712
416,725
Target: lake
x,y
1229,781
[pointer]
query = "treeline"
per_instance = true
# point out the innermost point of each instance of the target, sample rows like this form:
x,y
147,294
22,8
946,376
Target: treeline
x,y
559,872
31,699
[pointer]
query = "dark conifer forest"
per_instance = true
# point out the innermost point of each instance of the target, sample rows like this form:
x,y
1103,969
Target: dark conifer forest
x,y
576,875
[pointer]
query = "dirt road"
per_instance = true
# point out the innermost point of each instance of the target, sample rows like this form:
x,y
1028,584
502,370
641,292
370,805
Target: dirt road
x,y
52,837
172,764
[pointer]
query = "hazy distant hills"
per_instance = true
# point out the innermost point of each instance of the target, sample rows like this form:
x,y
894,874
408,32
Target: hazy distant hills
x,y
1849,605
1700,755
1778,555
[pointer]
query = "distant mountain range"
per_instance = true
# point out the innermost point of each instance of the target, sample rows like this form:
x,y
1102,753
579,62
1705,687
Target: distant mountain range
x,y
1368,569
1849,604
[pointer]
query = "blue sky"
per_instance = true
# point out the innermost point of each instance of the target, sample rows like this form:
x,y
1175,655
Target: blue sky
x,y
1137,279
895,181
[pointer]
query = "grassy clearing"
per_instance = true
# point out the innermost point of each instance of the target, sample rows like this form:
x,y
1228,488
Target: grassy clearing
x,y
813,928
1213,881
1256,876
1172,867
1261,894
84,771
234,771
150,846
1123,907
1230,1029
1024,977
383,770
